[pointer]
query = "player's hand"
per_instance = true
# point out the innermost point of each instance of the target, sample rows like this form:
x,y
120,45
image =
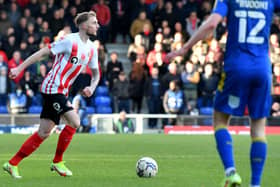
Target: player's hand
x,y
14,72
87,92
173,54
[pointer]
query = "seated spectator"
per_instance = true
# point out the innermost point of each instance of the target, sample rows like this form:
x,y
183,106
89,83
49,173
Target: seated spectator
x,y
17,102
174,101
192,23
124,125
79,105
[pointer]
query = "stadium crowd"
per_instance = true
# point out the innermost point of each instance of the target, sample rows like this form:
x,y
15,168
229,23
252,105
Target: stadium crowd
x,y
152,28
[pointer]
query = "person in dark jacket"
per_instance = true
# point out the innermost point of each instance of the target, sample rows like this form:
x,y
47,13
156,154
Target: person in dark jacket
x,y
121,93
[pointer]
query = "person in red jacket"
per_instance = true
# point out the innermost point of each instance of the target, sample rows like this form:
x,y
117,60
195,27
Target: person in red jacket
x,y
103,15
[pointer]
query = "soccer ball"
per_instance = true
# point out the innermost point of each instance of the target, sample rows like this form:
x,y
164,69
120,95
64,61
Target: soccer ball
x,y
146,167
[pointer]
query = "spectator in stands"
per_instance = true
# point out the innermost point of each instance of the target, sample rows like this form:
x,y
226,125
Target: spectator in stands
x,y
10,46
5,86
44,13
28,86
276,83
17,102
20,28
138,24
4,22
207,86
137,79
79,5
119,9
180,13
190,78
135,48
14,62
57,22
192,23
155,58
121,93
275,26
114,67
147,37
275,109
178,28
158,15
79,106
14,13
28,16
45,32
167,38
169,14
204,10
124,124
103,14
171,75
153,94
174,101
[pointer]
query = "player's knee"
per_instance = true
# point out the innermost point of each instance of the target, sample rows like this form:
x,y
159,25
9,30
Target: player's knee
x,y
75,124
44,133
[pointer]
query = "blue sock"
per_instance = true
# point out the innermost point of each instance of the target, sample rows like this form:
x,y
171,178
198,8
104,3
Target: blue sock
x,y
225,148
257,157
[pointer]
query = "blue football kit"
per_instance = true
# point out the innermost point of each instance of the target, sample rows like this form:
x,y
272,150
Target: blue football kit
x,y
246,80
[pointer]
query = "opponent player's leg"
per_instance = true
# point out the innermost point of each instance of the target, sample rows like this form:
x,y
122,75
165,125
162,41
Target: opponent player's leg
x,y
225,148
73,122
258,150
28,147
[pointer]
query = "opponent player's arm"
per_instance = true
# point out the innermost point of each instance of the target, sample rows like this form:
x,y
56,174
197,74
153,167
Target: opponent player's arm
x,y
35,57
204,30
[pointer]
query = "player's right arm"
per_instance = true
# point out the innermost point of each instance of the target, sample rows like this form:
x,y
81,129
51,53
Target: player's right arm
x,y
35,57
60,46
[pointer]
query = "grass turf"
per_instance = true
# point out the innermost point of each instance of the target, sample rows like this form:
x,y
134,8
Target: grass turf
x,y
109,161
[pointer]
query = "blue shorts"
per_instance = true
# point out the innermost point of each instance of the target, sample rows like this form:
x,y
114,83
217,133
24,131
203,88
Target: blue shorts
x,y
240,88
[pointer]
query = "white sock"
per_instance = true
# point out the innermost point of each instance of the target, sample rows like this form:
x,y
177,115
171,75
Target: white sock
x,y
254,186
228,171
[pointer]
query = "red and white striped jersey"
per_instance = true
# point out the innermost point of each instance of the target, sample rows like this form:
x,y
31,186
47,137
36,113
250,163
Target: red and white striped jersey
x,y
71,56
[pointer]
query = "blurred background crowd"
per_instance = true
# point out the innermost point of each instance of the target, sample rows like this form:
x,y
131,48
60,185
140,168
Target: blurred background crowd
x,y
150,28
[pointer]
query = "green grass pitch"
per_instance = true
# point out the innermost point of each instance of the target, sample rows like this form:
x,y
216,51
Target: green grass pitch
x,y
109,161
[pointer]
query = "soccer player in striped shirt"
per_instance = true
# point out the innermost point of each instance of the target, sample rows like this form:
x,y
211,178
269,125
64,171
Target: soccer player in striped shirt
x,y
246,80
71,55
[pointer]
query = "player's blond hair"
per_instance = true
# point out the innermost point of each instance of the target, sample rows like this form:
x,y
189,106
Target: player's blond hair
x,y
83,16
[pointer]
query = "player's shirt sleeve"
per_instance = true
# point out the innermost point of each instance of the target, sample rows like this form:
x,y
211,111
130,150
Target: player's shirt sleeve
x,y
61,46
220,7
93,64
277,4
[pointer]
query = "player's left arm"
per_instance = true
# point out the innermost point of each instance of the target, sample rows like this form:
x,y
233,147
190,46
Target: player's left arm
x,y
88,91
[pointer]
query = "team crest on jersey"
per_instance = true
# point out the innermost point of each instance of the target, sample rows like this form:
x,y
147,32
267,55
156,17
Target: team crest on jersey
x,y
74,60
233,101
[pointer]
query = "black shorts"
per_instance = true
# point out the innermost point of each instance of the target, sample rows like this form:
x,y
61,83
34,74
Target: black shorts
x,y
54,105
